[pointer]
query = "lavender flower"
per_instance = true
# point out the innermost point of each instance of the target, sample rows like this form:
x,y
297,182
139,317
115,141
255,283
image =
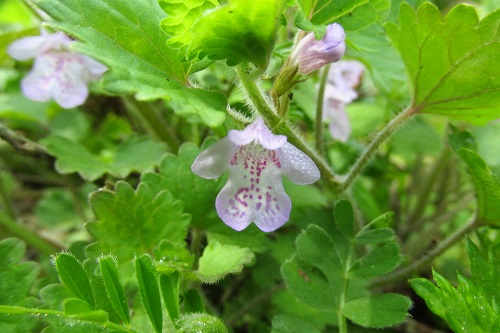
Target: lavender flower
x,y
311,54
58,73
256,160
343,78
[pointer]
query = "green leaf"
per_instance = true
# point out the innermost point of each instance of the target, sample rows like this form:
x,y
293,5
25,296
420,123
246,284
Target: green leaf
x,y
380,261
218,260
303,23
142,217
75,305
169,285
465,309
193,302
486,185
131,43
308,285
452,62
147,279
74,277
74,157
114,288
290,324
375,236
238,31
197,194
344,217
485,269
16,280
461,139
352,15
378,311
199,322
182,15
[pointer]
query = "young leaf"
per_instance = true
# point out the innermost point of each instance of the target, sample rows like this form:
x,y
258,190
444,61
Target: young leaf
x,y
485,270
218,260
486,185
380,261
238,31
74,277
375,236
180,20
344,217
169,285
130,42
114,288
452,62
200,322
75,305
74,157
197,194
378,311
142,217
290,324
147,279
193,302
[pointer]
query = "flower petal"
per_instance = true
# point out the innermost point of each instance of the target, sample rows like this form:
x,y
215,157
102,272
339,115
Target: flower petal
x,y
213,161
254,190
340,125
95,68
257,131
27,47
297,166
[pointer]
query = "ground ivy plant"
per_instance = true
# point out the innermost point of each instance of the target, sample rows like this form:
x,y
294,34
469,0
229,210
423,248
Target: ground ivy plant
x,y
249,166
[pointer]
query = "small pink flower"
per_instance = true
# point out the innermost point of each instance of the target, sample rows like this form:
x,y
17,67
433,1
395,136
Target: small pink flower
x,y
57,73
256,160
311,54
343,78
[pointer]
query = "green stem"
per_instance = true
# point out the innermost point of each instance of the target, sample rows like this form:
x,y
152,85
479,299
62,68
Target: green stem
x,y
342,322
31,238
196,238
150,119
427,258
21,310
319,110
20,143
280,126
373,146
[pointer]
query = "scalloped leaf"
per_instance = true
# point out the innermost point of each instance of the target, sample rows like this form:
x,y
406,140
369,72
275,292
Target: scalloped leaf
x,y
452,62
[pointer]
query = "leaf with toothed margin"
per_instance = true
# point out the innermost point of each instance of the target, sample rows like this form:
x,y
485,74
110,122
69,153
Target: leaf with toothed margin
x,y
452,62
142,217
218,260
131,43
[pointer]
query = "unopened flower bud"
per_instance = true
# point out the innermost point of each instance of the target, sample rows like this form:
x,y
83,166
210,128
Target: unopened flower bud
x,y
311,54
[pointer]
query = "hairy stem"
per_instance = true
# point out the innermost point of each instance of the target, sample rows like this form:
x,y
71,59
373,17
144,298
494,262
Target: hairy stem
x,y
319,110
280,125
427,258
29,237
373,146
148,116
20,143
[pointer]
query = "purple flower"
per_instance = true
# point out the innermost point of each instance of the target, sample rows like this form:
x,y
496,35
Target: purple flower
x,y
57,73
311,54
343,78
256,160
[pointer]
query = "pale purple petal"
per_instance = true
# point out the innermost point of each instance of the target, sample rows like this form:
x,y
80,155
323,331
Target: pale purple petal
x,y
340,126
346,74
27,47
297,166
37,86
311,54
94,67
257,131
213,161
254,191
342,94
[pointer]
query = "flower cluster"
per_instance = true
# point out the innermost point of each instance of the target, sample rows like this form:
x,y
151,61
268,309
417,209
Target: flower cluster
x,y
256,160
311,54
57,73
343,78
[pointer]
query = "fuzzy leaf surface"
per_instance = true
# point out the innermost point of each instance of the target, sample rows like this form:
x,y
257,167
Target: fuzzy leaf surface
x,y
140,218
218,260
237,31
452,62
